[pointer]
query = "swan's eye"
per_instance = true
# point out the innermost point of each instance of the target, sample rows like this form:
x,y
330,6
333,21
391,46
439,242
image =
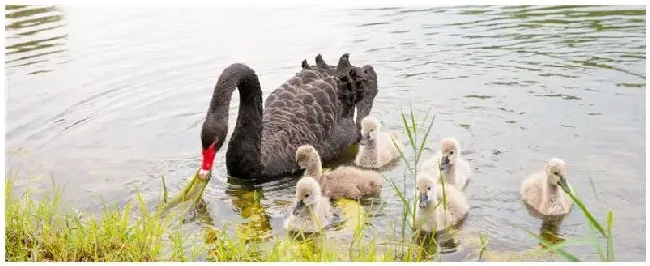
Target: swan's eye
x,y
429,188
306,195
556,173
451,153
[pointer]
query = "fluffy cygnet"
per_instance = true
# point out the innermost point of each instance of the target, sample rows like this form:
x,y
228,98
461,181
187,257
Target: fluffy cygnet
x,y
544,190
376,149
311,212
454,169
342,182
431,216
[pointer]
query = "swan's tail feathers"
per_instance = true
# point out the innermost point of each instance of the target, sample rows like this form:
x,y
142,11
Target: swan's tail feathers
x,y
344,62
320,62
305,65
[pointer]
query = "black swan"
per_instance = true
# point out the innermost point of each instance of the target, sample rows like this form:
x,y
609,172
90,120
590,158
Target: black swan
x,y
314,107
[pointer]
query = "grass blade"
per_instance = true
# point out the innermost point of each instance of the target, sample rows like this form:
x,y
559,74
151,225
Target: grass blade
x,y
595,242
399,193
415,131
610,242
484,242
164,192
586,212
408,131
401,154
424,140
426,116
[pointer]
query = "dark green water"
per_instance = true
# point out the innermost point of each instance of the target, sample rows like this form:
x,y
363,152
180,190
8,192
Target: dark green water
x,y
107,100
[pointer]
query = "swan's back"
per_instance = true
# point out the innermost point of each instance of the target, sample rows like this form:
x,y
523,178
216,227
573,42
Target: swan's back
x,y
531,189
350,182
457,206
309,108
430,166
388,152
463,173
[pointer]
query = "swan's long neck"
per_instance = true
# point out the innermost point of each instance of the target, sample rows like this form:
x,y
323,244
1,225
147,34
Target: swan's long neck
x,y
372,149
451,170
550,190
244,149
315,168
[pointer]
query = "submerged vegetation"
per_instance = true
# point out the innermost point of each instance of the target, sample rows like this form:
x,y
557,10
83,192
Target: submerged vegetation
x,y
41,230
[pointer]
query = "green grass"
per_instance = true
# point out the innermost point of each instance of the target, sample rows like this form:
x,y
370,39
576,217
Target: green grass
x,y
119,234
41,231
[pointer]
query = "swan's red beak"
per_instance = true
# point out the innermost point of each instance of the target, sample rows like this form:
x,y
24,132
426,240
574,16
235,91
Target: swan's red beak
x,y
208,160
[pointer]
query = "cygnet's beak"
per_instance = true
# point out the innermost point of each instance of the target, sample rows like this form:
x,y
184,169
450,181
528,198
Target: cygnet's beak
x,y
563,184
444,163
204,174
365,138
299,205
424,200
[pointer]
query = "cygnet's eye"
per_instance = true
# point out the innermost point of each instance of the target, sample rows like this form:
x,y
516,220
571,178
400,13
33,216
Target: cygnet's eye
x,y
556,173
451,153
429,188
306,195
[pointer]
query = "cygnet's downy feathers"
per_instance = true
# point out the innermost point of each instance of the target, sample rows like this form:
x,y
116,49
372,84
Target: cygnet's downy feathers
x,y
311,211
431,215
342,182
376,149
543,191
448,162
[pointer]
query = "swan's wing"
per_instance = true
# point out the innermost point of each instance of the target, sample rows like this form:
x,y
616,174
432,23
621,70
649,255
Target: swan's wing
x,y
457,207
341,137
531,190
310,108
430,165
303,110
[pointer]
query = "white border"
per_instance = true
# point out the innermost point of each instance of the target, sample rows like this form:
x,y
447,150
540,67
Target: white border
x,y
284,3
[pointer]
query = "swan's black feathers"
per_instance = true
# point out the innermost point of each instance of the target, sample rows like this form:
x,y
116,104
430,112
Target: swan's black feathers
x,y
313,107
357,86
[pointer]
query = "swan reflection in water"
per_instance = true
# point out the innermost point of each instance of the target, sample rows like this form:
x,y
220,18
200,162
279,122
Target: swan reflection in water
x,y
549,229
247,202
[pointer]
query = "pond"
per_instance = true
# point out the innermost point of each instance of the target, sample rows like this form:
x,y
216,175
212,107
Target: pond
x,y
108,100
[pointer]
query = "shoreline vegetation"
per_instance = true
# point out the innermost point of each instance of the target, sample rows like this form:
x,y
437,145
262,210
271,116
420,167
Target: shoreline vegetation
x,y
39,230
